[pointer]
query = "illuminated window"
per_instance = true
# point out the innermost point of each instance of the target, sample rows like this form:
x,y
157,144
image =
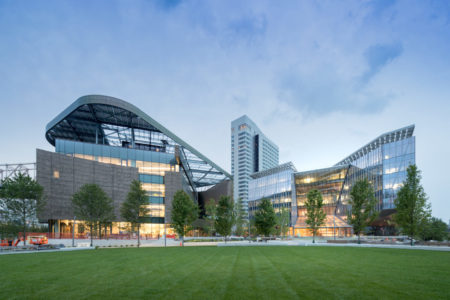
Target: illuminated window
x,y
242,127
55,174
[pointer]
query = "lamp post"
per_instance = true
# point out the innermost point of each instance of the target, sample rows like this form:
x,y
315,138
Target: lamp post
x,y
73,231
249,226
334,224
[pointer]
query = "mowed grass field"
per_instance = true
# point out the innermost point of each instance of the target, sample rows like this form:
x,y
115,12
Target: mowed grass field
x,y
227,273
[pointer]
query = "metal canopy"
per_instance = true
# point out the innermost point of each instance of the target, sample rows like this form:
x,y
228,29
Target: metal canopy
x,y
323,171
111,121
274,170
389,137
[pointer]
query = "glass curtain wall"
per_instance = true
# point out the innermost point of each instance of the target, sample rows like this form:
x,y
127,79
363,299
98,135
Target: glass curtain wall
x,y
277,187
397,156
369,166
331,182
385,167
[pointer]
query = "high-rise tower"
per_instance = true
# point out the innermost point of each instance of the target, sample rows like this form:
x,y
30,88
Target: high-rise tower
x,y
251,151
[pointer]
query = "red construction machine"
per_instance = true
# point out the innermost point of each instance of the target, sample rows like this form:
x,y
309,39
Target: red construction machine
x,y
9,243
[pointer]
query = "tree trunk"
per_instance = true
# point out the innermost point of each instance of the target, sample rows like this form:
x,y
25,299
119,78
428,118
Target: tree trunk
x,y
24,219
139,236
359,238
91,235
182,240
314,237
24,234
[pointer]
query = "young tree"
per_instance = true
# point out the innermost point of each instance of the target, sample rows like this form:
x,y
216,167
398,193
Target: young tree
x,y
283,220
315,215
22,199
265,220
252,230
240,217
363,202
9,229
184,213
92,205
411,204
225,218
434,229
134,207
211,212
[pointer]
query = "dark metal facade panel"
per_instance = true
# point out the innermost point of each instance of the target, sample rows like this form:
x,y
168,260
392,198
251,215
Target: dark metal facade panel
x,y
73,174
173,182
225,188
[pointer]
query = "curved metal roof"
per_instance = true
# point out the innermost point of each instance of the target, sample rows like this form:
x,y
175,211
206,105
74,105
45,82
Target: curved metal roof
x,y
88,118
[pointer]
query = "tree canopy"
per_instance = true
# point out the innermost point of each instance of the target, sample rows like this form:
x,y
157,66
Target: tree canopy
x,y
92,205
21,200
134,208
225,216
363,210
210,216
434,229
283,219
315,215
240,217
184,213
265,219
411,204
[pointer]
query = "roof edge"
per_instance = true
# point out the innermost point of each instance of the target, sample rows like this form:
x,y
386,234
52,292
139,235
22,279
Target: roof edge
x,y
412,127
108,100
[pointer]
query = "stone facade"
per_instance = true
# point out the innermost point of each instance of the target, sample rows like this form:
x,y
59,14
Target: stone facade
x,y
62,176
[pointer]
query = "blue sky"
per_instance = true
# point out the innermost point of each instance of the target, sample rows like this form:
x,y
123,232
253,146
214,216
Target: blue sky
x,y
320,78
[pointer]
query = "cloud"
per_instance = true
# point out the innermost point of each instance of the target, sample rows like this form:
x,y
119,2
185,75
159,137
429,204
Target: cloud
x,y
249,28
167,5
324,91
379,7
322,88
378,56
246,29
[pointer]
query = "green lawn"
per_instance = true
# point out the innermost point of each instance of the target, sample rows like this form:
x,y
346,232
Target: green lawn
x,y
227,273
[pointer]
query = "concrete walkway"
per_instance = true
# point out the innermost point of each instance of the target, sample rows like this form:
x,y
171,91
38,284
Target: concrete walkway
x,y
46,251
116,243
83,244
322,244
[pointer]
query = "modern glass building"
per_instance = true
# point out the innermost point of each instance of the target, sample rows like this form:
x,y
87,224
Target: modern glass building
x,y
335,184
276,184
389,155
383,162
100,131
251,151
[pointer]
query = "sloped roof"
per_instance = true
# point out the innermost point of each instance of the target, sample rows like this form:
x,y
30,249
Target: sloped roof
x,y
388,137
88,118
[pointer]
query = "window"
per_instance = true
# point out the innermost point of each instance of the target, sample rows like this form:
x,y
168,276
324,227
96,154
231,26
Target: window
x,y
55,174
